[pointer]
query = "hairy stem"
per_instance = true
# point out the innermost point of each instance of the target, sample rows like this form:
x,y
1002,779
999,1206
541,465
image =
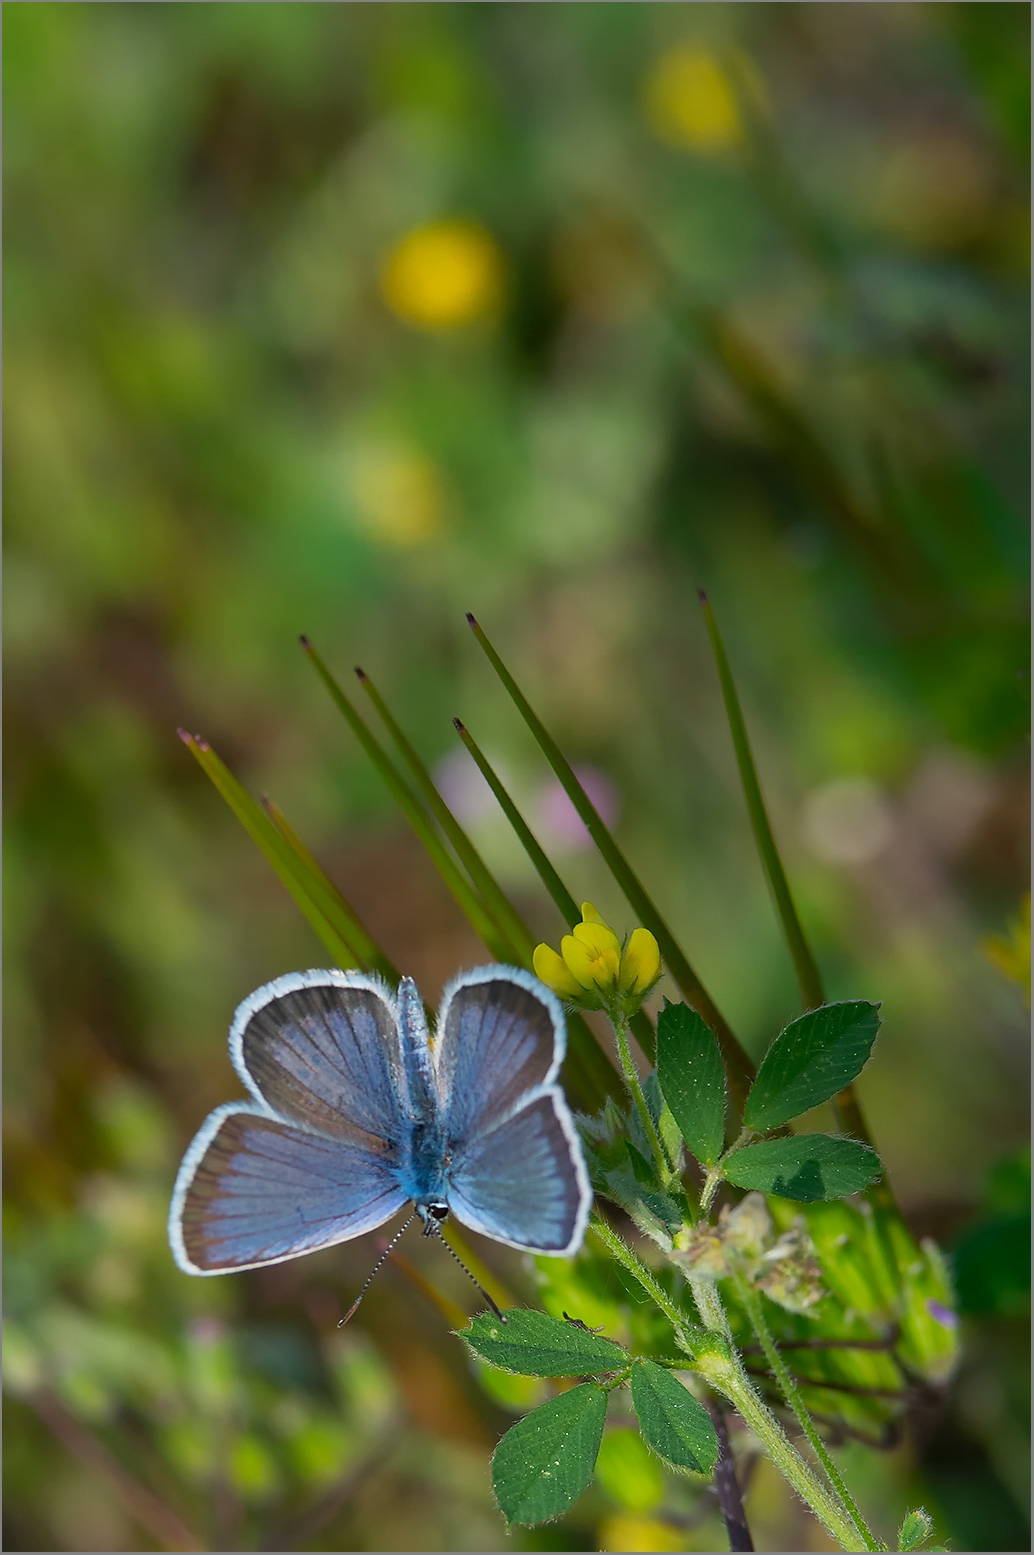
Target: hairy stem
x,y
752,1304
628,1069
716,1360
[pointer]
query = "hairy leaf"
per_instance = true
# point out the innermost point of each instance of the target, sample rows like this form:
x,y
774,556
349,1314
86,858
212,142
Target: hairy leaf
x,y
805,1167
813,1059
692,1079
673,1422
537,1345
545,1461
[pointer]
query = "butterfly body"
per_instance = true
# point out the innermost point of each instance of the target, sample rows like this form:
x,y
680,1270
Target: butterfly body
x,y
356,1111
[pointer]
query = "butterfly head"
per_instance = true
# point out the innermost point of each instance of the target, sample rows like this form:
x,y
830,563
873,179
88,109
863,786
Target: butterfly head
x,y
433,1214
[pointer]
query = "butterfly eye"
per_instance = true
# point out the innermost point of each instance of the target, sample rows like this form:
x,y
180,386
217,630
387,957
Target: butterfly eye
x,y
438,1211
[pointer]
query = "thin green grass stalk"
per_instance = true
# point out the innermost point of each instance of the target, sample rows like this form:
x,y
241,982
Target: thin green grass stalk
x,y
846,1108
587,1070
497,901
320,901
562,898
753,1306
805,966
470,902
641,1025
739,1065
363,945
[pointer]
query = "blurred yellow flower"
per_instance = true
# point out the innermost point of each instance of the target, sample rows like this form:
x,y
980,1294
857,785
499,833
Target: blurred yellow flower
x,y
1010,952
594,970
626,1531
690,102
443,275
399,494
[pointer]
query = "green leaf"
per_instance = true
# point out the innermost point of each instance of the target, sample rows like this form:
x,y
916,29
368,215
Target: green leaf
x,y
692,1079
813,1059
673,1422
545,1461
917,1526
537,1345
805,1167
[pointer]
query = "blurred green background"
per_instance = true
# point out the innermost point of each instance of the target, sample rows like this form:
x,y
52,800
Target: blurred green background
x,y
345,319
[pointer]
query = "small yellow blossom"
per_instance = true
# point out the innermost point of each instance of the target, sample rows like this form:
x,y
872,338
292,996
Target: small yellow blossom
x,y
690,102
595,971
443,275
1010,952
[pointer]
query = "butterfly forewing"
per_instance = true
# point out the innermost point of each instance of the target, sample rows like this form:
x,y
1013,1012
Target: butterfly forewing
x,y
253,1189
322,1049
500,1036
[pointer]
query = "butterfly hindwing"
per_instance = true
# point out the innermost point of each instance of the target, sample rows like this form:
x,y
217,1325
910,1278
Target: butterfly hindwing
x,y
524,1182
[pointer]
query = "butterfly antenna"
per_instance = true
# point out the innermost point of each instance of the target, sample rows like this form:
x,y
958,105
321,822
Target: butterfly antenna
x,y
386,1254
438,1233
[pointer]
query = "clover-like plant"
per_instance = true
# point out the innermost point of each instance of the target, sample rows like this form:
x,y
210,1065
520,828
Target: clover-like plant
x,y
776,1276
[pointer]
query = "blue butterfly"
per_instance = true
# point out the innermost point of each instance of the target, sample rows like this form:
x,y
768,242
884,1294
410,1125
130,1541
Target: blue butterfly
x,y
357,1111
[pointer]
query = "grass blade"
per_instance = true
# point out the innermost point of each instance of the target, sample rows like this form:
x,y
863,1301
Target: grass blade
x,y
320,901
499,905
640,1023
740,1066
588,1071
562,898
368,954
469,901
808,976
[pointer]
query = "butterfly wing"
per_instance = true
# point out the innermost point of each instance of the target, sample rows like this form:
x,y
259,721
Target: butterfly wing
x,y
516,1171
253,1190
314,1160
322,1049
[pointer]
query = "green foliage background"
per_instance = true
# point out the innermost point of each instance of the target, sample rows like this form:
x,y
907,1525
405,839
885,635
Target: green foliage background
x,y
792,371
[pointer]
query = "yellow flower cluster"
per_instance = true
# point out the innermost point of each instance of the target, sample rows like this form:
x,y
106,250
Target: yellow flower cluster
x,y
594,970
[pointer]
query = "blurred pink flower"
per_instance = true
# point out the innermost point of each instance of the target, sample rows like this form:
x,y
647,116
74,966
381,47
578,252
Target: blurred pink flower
x,y
559,822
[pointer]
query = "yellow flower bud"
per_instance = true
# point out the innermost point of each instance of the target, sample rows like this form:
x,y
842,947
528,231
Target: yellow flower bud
x,y
640,964
552,970
591,969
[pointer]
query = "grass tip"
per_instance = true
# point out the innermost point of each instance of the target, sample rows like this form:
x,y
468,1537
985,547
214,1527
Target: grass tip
x,y
306,644
459,726
702,594
201,744
186,736
471,618
360,673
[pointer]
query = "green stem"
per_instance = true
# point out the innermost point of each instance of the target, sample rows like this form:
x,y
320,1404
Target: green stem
x,y
637,1269
718,1363
752,1304
732,1381
628,1069
709,1305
